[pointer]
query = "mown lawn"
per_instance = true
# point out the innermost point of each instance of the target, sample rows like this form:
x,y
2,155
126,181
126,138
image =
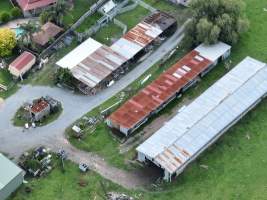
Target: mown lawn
x,y
6,80
5,77
108,34
80,7
88,22
133,17
65,186
5,5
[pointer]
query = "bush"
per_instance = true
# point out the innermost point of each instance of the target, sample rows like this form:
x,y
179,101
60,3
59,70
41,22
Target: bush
x,y
16,12
4,17
7,41
44,17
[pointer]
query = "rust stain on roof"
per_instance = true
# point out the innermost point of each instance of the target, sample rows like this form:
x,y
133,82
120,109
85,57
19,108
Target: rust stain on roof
x,y
160,91
39,106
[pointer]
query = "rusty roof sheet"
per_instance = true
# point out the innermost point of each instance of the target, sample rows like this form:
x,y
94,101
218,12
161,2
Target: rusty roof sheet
x,y
143,34
97,66
159,91
39,106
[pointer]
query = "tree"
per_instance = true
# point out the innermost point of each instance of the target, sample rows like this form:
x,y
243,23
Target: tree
x,y
215,20
58,11
28,30
7,41
45,16
4,17
16,12
64,76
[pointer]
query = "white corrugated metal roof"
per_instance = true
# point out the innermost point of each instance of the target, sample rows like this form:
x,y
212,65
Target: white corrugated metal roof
x,y
213,52
196,125
79,53
8,171
126,48
137,39
92,62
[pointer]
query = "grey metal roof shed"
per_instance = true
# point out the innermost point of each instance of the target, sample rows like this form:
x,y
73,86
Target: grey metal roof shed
x,y
202,122
11,177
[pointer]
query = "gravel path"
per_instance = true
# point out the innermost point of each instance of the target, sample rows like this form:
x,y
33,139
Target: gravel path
x,y
14,141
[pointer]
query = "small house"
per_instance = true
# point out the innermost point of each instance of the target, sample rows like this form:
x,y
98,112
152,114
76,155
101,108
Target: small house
x,y
11,177
22,64
48,32
40,109
30,7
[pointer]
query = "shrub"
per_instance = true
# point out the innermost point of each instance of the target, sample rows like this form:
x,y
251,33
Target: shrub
x,y
16,12
4,17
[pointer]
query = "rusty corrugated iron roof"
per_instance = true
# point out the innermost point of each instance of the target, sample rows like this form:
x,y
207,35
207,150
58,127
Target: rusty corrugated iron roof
x,y
143,34
159,91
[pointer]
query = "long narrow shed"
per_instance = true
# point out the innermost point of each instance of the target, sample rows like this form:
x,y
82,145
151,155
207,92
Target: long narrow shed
x,y
92,62
169,85
202,122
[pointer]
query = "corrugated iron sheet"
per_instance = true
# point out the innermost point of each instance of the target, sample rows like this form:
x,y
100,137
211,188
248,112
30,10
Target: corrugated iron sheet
x,y
97,66
160,91
200,123
143,34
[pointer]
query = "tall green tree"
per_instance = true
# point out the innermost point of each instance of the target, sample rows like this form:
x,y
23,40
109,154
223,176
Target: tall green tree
x,y
29,29
58,11
215,20
7,42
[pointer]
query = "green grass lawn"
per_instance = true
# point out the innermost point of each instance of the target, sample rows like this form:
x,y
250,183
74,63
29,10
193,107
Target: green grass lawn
x,y
88,22
5,5
65,186
80,7
133,17
6,79
108,34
